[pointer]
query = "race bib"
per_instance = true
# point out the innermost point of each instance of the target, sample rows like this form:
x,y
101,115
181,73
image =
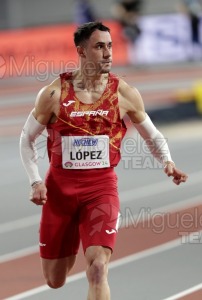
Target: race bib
x,y
85,152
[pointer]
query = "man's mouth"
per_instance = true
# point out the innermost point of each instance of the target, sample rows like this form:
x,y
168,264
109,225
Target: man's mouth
x,y
107,62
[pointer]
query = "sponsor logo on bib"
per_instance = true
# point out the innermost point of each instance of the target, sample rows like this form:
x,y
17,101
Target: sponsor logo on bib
x,y
84,152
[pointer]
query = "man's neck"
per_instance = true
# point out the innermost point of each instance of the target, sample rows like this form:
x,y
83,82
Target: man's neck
x,y
89,82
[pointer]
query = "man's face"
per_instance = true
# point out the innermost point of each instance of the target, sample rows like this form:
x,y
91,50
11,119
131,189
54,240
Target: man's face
x,y
98,53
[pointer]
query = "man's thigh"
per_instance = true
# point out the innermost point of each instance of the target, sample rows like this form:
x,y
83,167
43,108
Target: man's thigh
x,y
99,223
59,235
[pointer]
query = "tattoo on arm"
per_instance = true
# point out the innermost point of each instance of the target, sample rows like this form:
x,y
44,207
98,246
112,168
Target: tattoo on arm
x,y
52,93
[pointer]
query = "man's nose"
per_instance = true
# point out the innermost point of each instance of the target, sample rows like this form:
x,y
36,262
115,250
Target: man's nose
x,y
107,52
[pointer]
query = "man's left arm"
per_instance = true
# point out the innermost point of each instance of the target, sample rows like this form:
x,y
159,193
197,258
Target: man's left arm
x,y
158,146
155,140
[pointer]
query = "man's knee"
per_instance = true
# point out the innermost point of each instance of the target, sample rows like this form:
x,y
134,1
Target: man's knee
x,y
55,283
97,272
55,271
97,264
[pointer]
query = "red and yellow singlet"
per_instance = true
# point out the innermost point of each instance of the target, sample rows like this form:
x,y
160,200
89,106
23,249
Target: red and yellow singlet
x,y
86,136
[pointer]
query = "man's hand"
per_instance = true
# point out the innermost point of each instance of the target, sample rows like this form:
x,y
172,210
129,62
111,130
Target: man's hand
x,y
178,175
38,194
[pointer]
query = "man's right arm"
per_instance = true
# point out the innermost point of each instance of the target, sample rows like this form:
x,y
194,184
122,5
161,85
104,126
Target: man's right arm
x,y
45,108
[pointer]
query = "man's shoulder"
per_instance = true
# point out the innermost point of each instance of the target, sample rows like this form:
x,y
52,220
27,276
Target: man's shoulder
x,y
51,91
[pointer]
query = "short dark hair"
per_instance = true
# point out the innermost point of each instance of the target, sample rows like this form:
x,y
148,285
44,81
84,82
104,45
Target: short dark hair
x,y
83,32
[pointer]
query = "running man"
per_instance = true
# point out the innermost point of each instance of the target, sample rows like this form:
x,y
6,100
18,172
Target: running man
x,y
83,113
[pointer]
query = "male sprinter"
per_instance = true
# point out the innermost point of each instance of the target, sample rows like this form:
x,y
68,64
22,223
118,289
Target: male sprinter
x,y
83,113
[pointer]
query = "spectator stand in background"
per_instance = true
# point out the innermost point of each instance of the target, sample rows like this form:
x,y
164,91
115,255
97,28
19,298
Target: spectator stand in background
x,y
127,12
84,12
164,39
193,9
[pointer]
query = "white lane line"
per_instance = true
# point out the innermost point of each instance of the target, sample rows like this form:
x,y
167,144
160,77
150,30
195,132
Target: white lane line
x,y
132,220
44,288
117,263
18,254
19,224
186,292
8,101
35,219
16,120
129,195
143,215
158,188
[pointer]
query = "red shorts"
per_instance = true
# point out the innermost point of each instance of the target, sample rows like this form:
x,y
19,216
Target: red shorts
x,y
82,205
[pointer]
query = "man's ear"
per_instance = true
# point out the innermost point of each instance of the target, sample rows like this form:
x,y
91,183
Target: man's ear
x,y
81,51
